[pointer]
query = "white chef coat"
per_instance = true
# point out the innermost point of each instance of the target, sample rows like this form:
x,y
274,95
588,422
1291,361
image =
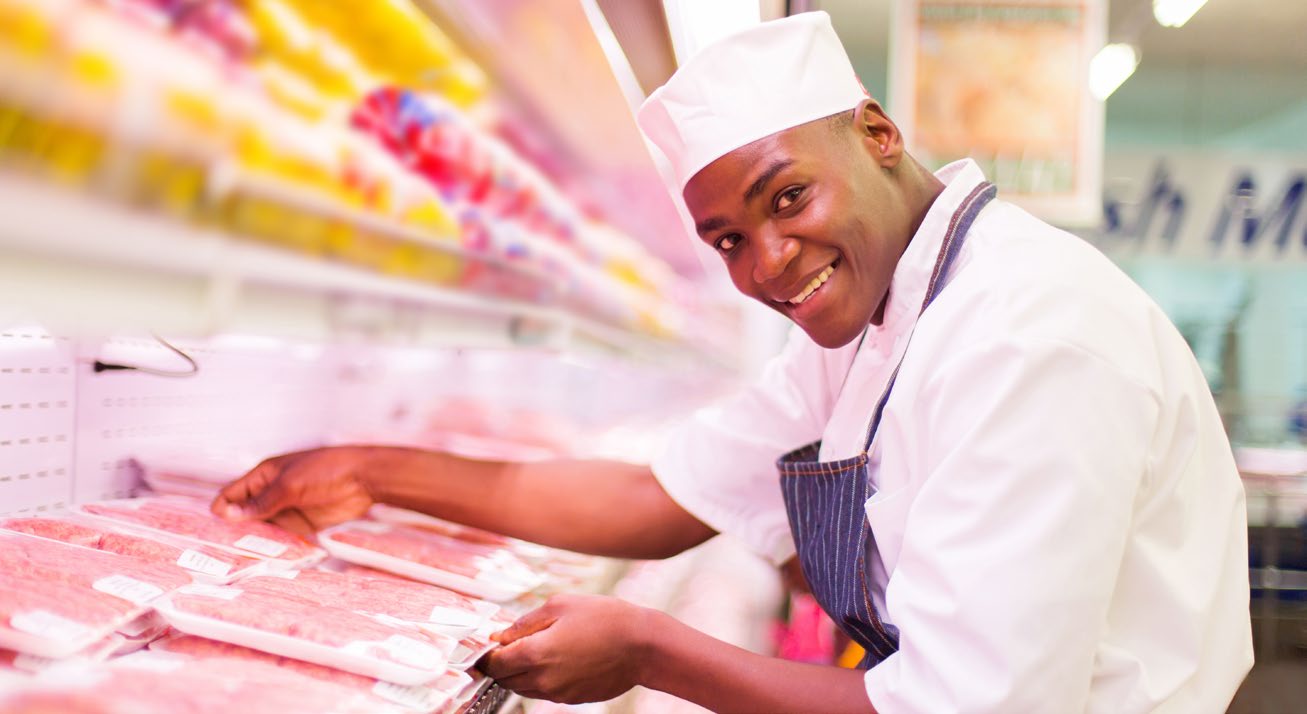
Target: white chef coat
x,y
1059,524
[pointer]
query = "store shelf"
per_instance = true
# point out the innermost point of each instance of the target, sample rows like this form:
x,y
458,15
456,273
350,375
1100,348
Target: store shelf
x,y
556,64
80,263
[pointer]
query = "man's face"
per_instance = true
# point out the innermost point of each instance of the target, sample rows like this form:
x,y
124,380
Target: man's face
x,y
809,222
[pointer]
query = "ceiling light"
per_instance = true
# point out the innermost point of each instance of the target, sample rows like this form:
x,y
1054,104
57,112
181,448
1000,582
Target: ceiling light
x,y
1174,13
1110,67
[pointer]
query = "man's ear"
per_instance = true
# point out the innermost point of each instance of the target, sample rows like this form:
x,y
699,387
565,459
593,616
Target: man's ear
x,y
879,135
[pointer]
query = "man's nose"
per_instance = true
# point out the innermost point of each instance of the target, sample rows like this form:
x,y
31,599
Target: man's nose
x,y
773,256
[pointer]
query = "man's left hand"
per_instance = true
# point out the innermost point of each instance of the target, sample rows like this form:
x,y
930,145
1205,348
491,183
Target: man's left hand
x,y
572,649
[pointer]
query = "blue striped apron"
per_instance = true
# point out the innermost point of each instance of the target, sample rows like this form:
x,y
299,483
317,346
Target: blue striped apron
x,y
826,500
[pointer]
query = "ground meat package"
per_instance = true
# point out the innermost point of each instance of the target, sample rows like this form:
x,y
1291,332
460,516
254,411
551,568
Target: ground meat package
x,y
480,570
58,599
428,606
190,519
279,623
383,696
166,683
111,645
461,702
530,552
204,563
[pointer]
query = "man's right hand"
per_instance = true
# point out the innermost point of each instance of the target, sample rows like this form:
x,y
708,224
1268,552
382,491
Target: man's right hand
x,y
303,492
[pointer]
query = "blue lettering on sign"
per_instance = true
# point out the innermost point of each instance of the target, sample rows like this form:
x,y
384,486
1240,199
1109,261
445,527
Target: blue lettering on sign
x,y
1165,196
1238,208
1237,213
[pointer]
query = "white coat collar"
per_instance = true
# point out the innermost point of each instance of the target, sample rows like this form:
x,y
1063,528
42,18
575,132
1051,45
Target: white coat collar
x,y
912,275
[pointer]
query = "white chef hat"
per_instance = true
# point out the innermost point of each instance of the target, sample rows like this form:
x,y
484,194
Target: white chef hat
x,y
743,87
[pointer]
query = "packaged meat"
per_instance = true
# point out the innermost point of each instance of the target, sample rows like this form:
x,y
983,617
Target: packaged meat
x,y
423,604
298,628
529,552
470,649
205,563
64,529
111,646
385,696
461,702
479,570
57,599
165,683
190,519
194,473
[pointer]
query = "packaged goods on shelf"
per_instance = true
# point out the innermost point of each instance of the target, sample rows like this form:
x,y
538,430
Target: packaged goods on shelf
x,y
166,683
113,644
384,648
191,519
383,695
424,605
203,562
560,570
486,571
232,116
463,701
57,599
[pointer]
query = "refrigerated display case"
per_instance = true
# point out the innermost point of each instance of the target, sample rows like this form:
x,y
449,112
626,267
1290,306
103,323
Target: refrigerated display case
x,y
236,228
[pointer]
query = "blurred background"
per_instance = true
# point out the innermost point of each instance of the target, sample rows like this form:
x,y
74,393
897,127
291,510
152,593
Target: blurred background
x,y
232,228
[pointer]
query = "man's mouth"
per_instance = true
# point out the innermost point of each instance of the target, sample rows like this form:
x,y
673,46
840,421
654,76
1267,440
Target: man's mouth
x,y
814,285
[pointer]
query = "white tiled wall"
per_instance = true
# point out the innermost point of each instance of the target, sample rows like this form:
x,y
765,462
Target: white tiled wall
x,y
37,419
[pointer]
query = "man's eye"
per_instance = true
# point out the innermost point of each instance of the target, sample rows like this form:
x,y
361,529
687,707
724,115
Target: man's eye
x,y
727,243
788,197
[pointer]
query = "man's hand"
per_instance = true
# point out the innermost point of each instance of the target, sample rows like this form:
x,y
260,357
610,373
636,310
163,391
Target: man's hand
x,y
573,649
302,492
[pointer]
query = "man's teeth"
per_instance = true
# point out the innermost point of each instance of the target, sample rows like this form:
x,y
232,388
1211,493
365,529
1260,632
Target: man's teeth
x,y
812,286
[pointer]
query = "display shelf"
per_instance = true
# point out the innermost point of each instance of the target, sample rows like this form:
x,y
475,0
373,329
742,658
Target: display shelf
x,y
82,263
557,64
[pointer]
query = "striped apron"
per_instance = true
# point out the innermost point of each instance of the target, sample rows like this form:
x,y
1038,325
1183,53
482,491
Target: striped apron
x,y
826,500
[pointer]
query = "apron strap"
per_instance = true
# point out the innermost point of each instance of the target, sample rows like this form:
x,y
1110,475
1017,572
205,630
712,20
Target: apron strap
x,y
958,226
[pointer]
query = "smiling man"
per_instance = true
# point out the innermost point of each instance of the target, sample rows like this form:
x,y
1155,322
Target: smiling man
x,y
1000,465
996,461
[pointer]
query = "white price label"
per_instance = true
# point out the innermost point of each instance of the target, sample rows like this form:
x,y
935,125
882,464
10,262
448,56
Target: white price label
x,y
217,591
129,589
44,623
454,617
260,545
409,651
204,564
422,699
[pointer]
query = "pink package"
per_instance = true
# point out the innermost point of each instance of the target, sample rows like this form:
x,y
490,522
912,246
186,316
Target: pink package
x,y
161,683
481,570
190,518
382,694
299,628
406,600
57,599
202,561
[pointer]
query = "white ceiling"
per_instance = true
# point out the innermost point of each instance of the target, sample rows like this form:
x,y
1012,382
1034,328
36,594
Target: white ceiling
x,y
1224,32
1266,33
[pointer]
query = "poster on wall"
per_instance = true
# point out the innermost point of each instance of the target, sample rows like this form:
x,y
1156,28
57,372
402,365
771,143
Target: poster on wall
x,y
1005,82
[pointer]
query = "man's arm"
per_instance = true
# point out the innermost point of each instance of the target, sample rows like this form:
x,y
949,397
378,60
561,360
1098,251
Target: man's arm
x,y
583,648
600,507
